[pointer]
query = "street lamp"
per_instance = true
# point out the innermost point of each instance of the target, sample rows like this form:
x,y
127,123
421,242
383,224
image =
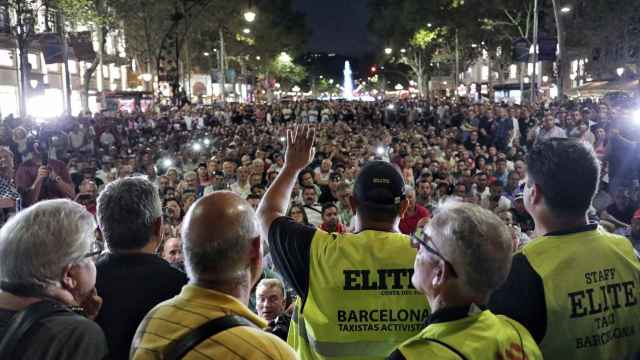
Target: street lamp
x,y
246,31
388,51
258,58
206,53
565,9
249,16
403,51
620,71
545,78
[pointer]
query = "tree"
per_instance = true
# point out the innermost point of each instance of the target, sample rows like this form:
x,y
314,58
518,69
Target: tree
x,y
426,31
99,16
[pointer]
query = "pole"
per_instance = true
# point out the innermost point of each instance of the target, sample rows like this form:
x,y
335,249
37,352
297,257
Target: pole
x,y
455,77
560,57
222,70
534,78
66,93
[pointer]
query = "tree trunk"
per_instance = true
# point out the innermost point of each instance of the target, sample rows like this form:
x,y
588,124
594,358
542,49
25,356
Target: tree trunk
x,y
561,49
88,73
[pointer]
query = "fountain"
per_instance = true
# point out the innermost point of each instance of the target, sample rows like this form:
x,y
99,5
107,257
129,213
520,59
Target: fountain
x,y
347,87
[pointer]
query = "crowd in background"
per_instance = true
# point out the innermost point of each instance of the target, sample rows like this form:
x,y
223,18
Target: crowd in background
x,y
443,149
471,151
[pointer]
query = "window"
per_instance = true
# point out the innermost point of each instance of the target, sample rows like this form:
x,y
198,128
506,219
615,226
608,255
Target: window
x,y
33,60
6,57
513,71
484,74
73,67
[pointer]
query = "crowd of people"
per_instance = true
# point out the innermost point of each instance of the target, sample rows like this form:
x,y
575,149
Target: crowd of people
x,y
297,218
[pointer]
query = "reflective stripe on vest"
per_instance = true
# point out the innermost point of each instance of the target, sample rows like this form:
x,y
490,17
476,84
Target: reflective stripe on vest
x,y
334,349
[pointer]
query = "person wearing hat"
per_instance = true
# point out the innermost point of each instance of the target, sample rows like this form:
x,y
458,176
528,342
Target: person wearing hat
x,y
355,298
329,192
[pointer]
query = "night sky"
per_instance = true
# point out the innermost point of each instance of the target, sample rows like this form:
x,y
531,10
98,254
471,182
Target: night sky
x,y
338,26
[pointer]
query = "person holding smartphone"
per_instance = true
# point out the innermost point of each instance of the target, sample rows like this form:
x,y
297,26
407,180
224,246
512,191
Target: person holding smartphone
x,y
41,178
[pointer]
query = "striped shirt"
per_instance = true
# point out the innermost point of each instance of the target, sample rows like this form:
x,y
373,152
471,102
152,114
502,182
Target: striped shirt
x,y
191,308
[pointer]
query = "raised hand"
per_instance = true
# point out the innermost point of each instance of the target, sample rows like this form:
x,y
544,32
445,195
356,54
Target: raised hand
x,y
300,151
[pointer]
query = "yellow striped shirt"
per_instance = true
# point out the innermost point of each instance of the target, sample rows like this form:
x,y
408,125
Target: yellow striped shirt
x,y
193,307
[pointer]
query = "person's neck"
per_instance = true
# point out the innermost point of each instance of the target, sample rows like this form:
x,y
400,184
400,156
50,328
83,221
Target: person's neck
x,y
548,223
239,289
150,248
450,300
362,224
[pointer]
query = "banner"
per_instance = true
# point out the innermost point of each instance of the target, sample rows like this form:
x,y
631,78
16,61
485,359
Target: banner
x,y
82,45
52,49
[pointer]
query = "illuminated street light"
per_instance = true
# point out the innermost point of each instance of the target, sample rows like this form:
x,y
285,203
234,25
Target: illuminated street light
x,y
620,71
246,31
330,81
206,53
565,9
429,24
249,16
258,58
388,51
197,147
403,51
545,78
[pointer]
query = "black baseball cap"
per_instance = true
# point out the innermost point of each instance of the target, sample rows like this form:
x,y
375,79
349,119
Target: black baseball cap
x,y
379,184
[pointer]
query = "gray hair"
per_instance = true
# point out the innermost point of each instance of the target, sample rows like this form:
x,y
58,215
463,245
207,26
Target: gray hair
x,y
221,257
408,189
127,209
271,283
39,242
476,242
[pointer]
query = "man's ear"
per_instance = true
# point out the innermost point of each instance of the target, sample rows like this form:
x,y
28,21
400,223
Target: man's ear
x,y
255,259
68,281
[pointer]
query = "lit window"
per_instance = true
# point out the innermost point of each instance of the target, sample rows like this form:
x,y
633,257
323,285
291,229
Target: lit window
x,y
33,60
513,71
484,75
6,58
73,67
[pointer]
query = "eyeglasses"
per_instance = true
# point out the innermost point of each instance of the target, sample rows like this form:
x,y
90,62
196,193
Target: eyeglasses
x,y
417,242
96,248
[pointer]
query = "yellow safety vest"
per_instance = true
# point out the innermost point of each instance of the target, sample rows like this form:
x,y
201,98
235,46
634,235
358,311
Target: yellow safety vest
x,y
361,304
591,281
479,336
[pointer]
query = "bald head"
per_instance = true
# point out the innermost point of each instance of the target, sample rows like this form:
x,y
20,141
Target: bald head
x,y
218,233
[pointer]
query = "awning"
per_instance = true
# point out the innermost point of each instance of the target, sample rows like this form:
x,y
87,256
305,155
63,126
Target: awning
x,y
600,88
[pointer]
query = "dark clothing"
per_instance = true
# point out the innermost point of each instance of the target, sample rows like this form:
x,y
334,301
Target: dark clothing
x,y
131,285
290,245
59,337
503,127
521,298
326,196
279,326
28,172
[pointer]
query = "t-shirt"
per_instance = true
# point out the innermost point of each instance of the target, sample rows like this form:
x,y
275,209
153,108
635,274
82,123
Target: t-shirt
x,y
59,337
131,285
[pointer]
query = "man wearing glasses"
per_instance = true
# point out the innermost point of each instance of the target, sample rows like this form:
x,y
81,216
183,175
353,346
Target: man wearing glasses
x,y
356,300
463,256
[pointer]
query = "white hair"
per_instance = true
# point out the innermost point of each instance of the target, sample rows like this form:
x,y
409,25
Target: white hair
x,y
271,283
39,242
475,241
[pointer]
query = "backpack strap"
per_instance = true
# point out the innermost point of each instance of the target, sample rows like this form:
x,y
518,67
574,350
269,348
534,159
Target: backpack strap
x,y
178,348
448,347
24,320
